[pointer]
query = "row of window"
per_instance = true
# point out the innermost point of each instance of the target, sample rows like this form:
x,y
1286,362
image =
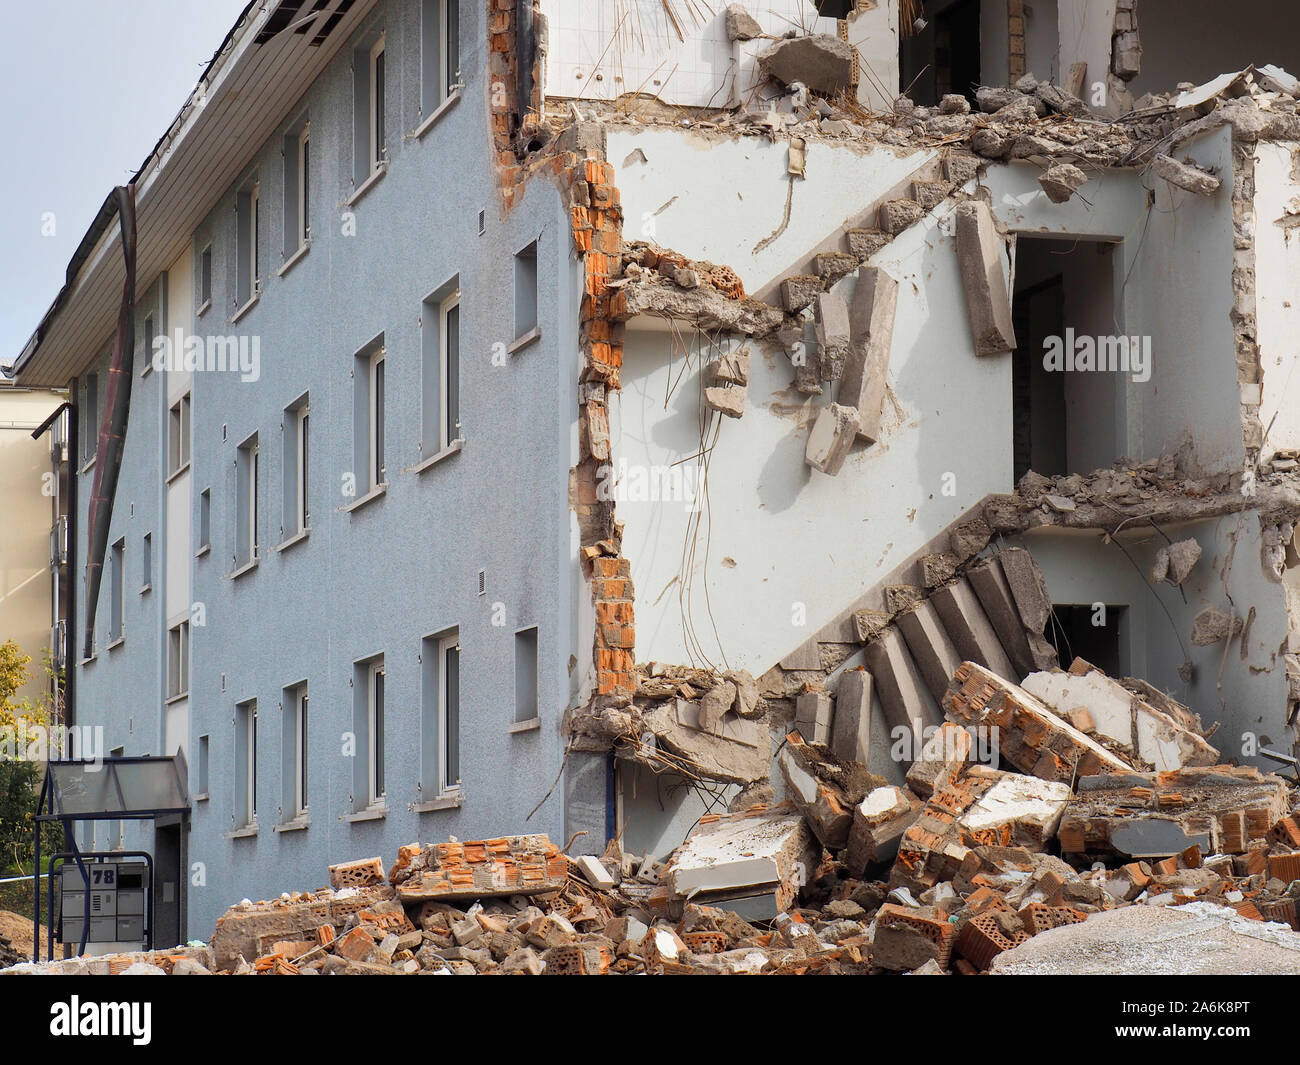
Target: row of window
x,y
440,719
439,79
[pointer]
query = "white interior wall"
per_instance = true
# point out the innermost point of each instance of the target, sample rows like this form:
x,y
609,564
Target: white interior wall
x,y
598,49
874,34
1084,31
737,195
1041,35
179,543
1277,300
1245,691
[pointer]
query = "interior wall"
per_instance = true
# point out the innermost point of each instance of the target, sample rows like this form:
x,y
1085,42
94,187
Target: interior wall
x,y
1196,40
1041,36
1241,687
1277,311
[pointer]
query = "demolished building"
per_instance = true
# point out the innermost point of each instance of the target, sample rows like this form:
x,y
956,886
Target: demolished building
x,y
835,393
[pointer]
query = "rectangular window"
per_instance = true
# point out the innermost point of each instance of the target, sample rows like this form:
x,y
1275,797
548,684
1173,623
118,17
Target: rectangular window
x,y
449,713
178,436
375,732
149,334
246,476
205,277
297,513
295,752
90,422
117,589
440,369
146,563
205,519
248,267
377,146
526,291
526,704
376,465
202,788
297,188
439,52
178,659
246,764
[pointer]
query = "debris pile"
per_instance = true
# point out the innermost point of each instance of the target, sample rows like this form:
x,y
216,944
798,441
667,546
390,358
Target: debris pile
x,y
1101,795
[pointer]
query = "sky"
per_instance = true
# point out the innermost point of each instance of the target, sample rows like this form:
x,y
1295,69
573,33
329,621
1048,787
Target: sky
x,y
86,89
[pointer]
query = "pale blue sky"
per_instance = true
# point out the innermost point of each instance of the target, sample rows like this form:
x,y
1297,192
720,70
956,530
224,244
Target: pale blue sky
x,y
86,89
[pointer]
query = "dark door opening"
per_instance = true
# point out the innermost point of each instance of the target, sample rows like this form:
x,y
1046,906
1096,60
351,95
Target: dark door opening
x,y
944,56
1095,632
1068,412
834,8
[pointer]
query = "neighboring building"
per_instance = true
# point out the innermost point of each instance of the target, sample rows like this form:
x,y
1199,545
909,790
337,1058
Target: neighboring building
x,y
31,551
455,353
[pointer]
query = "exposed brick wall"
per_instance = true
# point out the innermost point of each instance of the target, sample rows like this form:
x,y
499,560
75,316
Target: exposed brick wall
x,y
1016,37
511,120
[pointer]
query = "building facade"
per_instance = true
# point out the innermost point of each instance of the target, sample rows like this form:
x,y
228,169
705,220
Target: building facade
x,y
509,381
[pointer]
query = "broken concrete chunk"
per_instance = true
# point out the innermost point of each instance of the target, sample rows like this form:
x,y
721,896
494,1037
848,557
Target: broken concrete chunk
x,y
937,570
832,334
726,399
879,822
1061,100
513,865
1120,716
1212,625
988,300
869,624
824,788
1028,587
994,593
933,652
746,705
851,724
960,167
821,62
899,687
812,716
864,243
1174,563
1030,736
715,704
911,938
942,760
735,750
954,104
741,25
871,325
1062,181
731,368
833,265
1153,814
991,98
1185,176
831,438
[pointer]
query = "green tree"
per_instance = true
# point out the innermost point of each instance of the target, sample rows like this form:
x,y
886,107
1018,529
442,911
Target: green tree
x,y
20,779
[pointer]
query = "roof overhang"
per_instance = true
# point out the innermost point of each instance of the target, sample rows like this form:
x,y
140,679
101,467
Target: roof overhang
x,y
271,56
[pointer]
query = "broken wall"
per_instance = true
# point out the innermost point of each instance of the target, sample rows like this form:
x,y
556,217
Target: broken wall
x,y
601,50
1277,310
1245,688
789,548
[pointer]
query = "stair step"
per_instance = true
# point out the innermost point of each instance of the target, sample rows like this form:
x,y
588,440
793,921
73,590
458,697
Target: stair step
x,y
994,594
899,687
929,194
970,629
932,650
864,243
851,731
833,265
897,215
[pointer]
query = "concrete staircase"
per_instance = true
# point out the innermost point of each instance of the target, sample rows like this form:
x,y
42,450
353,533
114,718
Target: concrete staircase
x,y
957,599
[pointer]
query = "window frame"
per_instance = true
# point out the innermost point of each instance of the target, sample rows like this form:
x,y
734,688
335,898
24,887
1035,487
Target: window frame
x,y
178,659
302,437
304,186
254,226
446,787
445,423
179,417
301,705
375,120
376,792
376,473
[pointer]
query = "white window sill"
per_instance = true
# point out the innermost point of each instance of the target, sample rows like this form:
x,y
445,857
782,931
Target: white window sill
x,y
368,184
248,306
89,465
452,100
116,643
450,801
298,824
204,307
451,449
177,472
289,263
246,832
202,798
205,549
296,538
372,813
531,725
146,589
522,342
177,697
247,567
148,365
369,497
87,661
